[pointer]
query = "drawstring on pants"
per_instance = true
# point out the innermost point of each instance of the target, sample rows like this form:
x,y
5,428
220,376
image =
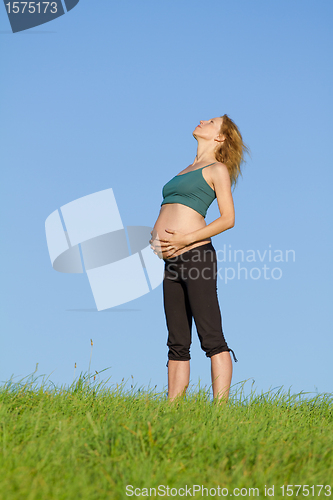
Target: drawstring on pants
x,y
233,355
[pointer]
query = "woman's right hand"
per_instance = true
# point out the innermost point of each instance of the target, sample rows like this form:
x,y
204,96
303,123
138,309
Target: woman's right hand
x,y
154,245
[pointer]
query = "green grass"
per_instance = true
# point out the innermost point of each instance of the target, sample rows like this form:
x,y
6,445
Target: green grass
x,y
87,441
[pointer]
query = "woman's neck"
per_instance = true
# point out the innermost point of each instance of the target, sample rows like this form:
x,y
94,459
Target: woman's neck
x,y
205,153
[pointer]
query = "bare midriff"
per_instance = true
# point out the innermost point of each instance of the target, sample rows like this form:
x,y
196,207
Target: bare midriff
x,y
178,218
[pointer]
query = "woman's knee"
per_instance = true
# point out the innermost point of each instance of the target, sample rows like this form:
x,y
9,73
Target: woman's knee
x,y
178,352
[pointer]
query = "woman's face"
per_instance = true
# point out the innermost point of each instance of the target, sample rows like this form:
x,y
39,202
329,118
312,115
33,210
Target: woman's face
x,y
208,129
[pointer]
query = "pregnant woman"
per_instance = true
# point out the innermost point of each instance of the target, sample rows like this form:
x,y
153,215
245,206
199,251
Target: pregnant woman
x,y
183,240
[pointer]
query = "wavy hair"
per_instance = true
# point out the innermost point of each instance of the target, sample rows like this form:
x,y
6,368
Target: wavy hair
x,y
231,152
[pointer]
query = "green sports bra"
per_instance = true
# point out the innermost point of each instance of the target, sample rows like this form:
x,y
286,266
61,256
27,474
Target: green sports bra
x,y
190,189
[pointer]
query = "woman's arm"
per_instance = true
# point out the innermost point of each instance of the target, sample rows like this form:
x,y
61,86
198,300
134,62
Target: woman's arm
x,y
222,187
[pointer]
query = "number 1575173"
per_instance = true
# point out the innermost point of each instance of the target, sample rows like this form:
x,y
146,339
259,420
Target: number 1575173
x,y
306,490
31,7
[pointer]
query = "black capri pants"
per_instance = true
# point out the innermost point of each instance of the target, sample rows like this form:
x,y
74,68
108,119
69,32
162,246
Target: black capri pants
x,y
190,291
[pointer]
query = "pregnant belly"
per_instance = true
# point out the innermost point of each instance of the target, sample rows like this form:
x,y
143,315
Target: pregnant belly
x,y
179,218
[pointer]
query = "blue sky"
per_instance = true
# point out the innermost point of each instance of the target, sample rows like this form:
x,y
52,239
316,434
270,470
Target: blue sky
x,y
108,96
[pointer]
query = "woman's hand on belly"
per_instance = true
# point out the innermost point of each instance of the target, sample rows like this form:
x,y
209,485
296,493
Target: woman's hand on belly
x,y
165,248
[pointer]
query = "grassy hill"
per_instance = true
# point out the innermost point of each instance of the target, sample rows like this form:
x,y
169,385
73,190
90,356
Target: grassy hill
x,y
90,442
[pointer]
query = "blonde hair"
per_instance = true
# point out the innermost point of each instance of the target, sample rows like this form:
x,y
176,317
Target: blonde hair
x,y
231,152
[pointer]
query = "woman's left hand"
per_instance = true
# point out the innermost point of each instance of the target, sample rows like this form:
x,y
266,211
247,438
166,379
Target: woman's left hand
x,y
175,242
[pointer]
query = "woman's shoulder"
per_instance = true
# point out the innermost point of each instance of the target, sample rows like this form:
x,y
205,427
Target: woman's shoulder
x,y
219,166
219,169
220,173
